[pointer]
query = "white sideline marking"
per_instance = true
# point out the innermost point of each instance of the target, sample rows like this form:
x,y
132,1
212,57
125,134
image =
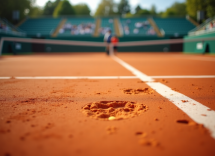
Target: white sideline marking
x,y
189,76
136,72
5,77
193,111
72,77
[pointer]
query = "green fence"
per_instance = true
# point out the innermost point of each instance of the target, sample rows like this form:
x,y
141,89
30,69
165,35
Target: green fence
x,y
202,46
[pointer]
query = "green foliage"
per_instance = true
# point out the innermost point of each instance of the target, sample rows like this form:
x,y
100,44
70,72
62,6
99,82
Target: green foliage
x,y
106,8
82,9
177,9
64,8
143,12
208,6
137,9
50,7
123,7
8,6
128,15
153,10
36,12
194,5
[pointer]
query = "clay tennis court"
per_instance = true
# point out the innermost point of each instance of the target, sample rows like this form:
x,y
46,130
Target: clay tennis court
x,y
92,104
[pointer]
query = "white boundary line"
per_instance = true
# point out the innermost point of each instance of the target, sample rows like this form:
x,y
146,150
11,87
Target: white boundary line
x,y
71,77
197,112
4,78
183,76
136,72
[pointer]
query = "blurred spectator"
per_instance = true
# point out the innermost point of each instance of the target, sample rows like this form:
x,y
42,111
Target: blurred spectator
x,y
83,28
151,31
138,24
126,28
211,25
139,27
4,26
110,20
135,31
104,30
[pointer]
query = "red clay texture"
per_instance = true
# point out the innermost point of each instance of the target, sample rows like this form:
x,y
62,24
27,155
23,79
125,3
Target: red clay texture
x,y
45,117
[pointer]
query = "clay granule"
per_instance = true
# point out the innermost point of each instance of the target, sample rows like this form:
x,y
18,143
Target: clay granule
x,y
138,91
113,110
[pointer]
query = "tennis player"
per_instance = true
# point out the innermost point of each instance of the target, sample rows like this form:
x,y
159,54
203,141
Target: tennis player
x,y
114,41
107,39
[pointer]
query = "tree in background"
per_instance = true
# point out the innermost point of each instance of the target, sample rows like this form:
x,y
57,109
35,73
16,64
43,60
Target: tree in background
x,y
82,9
123,7
64,8
106,8
177,9
208,6
8,6
35,12
137,9
50,7
144,12
153,10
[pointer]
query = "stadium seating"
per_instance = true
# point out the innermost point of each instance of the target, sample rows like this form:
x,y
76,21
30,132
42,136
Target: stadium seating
x,y
174,26
106,24
8,28
136,27
129,26
207,27
40,26
78,26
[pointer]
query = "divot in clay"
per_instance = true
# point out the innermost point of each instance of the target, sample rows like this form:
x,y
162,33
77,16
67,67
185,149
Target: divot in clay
x,y
138,91
113,110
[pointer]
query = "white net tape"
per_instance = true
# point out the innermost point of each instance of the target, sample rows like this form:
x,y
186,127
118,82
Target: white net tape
x,y
98,44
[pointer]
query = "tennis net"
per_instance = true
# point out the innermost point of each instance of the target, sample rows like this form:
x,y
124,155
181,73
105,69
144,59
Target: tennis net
x,y
9,44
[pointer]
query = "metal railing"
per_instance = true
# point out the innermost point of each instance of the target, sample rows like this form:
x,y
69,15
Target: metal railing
x,y
200,29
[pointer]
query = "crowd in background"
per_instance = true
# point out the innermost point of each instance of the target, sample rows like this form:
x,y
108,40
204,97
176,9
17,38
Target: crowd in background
x,y
104,30
4,26
83,28
138,27
211,25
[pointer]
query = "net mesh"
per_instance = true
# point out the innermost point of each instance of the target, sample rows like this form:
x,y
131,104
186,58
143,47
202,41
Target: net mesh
x,y
50,45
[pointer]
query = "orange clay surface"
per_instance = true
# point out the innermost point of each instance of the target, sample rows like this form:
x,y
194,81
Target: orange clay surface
x,y
48,117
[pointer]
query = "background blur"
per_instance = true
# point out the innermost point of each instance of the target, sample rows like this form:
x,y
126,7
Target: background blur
x,y
126,8
190,21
